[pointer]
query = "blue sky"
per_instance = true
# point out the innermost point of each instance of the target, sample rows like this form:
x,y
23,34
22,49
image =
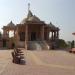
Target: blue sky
x,y
60,12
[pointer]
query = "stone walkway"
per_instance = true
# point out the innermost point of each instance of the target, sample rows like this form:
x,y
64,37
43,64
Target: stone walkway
x,y
39,63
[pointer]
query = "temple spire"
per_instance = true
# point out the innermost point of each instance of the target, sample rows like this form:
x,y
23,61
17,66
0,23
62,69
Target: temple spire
x,y
28,6
29,12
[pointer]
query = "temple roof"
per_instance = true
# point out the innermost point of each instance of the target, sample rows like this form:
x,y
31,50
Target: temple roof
x,y
53,26
11,24
34,19
31,18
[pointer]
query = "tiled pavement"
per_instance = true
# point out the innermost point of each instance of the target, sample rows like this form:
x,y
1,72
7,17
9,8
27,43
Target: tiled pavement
x,y
39,63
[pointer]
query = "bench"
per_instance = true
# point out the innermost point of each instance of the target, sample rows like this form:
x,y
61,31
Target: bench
x,y
18,57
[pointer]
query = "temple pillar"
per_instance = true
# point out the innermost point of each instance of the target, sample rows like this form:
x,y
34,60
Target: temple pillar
x,y
57,34
26,36
47,34
42,32
7,33
14,33
52,35
4,32
17,37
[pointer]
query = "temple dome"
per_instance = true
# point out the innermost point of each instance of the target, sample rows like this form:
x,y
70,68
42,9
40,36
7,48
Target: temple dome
x,y
34,19
23,21
30,18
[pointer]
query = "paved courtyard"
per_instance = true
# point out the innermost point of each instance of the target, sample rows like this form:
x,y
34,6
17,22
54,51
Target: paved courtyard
x,y
39,63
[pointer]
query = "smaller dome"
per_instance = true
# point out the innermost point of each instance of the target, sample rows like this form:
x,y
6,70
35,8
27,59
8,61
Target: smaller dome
x,y
53,26
11,24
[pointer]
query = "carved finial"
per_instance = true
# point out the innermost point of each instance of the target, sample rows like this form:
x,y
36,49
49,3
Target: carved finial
x,y
28,6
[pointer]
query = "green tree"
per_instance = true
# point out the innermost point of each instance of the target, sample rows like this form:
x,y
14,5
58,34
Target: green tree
x,y
62,43
69,44
72,44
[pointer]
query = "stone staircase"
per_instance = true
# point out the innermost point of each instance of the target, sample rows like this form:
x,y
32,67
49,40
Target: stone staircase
x,y
38,45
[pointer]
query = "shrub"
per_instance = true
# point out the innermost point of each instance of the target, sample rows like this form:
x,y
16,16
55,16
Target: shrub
x,y
62,43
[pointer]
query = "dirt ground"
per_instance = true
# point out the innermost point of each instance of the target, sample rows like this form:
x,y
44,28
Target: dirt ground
x,y
38,63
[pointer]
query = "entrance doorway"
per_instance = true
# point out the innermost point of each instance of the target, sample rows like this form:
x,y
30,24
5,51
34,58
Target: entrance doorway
x,y
33,36
4,43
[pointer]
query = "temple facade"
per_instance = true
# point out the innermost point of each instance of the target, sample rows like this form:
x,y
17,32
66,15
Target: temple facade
x,y
31,33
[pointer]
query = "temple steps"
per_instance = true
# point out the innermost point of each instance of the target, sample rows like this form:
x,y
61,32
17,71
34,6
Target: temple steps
x,y
38,45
